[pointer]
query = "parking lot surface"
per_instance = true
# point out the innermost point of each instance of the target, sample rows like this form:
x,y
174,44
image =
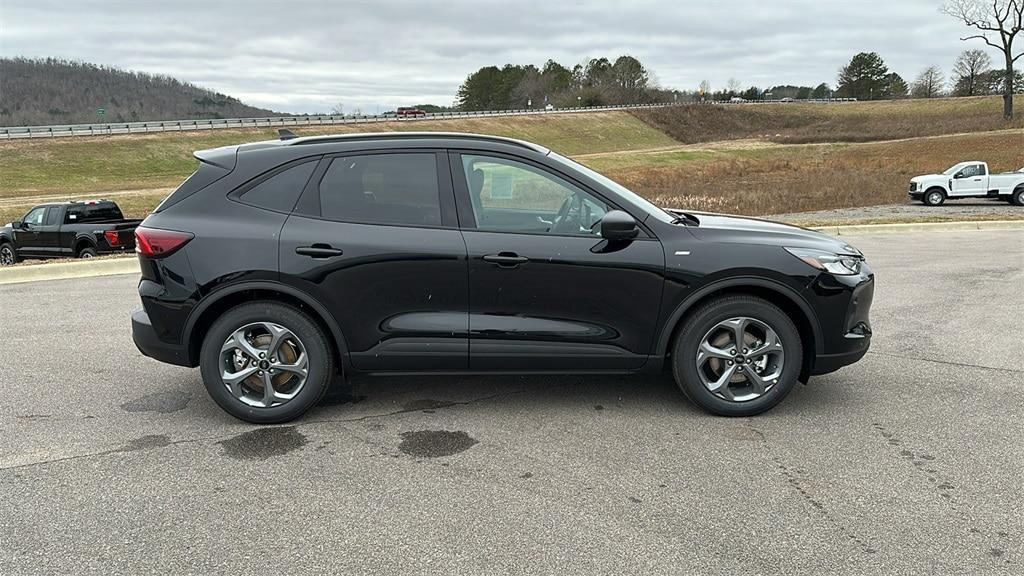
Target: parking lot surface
x,y
908,462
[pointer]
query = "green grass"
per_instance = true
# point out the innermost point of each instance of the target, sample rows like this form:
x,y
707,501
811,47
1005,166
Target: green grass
x,y
84,165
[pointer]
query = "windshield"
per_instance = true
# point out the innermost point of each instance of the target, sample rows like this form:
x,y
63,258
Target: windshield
x,y
621,190
952,170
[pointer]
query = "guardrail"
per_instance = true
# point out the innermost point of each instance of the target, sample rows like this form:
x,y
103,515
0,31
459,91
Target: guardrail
x,y
7,133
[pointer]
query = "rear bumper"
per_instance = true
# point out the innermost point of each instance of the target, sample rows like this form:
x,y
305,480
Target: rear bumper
x,y
150,345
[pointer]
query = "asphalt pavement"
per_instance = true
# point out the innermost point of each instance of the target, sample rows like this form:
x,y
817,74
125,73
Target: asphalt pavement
x,y
908,462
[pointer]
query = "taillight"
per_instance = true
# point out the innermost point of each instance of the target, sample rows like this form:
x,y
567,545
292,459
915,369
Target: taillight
x,y
112,237
157,243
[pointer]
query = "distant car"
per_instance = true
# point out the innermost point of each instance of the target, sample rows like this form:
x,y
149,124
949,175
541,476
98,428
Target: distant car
x,y
737,100
968,180
409,112
549,107
67,229
788,100
279,265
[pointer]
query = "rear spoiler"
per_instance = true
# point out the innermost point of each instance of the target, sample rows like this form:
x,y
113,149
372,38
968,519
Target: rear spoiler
x,y
223,157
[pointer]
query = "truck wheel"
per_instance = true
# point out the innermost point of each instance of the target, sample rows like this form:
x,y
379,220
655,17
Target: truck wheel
x,y
87,253
1017,198
8,257
266,362
737,356
934,197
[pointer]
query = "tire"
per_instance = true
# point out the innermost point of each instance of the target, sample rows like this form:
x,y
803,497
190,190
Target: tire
x,y
933,197
251,405
1017,198
705,323
87,252
8,256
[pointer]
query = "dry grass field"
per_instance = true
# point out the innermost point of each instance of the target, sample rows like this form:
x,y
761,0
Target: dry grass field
x,y
796,178
796,123
764,159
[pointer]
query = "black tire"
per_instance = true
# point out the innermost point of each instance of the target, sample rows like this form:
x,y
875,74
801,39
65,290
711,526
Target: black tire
x,y
702,320
1017,198
8,256
320,368
87,252
933,197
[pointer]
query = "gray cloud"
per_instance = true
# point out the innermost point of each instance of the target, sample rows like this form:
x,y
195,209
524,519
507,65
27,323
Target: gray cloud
x,y
305,56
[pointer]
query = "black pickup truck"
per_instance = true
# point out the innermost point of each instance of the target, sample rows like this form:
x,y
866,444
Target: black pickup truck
x,y
68,229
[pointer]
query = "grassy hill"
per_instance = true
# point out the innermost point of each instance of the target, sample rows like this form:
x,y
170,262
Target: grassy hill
x,y
797,123
52,91
747,159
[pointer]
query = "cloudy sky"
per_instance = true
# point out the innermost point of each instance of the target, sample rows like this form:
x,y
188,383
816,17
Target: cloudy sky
x,y
307,56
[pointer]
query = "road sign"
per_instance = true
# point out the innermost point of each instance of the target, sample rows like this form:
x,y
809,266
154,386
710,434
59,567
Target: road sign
x,y
101,111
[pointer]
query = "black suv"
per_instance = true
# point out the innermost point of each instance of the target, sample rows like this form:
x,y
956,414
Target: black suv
x,y
280,265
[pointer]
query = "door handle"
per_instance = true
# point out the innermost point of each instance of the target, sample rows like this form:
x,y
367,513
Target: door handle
x,y
319,251
506,259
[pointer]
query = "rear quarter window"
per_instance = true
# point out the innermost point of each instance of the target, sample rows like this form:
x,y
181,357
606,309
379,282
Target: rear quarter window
x,y
280,191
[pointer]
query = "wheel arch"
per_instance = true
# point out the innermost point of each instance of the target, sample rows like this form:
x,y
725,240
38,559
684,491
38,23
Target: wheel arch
x,y
794,305
82,241
223,299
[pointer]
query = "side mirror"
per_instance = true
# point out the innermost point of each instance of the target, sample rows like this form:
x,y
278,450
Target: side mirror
x,y
18,225
618,225
958,175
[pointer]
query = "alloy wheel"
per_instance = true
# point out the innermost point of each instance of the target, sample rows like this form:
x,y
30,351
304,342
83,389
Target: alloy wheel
x,y
264,365
740,359
935,198
6,256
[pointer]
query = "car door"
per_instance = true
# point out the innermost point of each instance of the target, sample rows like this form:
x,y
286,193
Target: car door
x,y
27,238
546,292
971,180
48,234
375,238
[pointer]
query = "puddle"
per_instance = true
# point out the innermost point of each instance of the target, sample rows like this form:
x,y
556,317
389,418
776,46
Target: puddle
x,y
162,402
435,443
263,443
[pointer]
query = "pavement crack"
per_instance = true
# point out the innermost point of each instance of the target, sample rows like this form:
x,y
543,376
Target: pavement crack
x,y
946,362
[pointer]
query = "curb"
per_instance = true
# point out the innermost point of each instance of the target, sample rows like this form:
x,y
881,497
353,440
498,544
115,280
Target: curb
x,y
63,270
116,266
862,229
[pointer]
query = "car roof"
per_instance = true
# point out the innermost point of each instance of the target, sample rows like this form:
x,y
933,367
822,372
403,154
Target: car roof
x,y
435,138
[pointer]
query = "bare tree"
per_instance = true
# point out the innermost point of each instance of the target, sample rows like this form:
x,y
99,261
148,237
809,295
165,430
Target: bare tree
x,y
733,87
338,109
968,70
928,83
1001,18
704,89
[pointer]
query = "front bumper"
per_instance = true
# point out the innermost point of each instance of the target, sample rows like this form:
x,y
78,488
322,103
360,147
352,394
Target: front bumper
x,y
150,345
848,325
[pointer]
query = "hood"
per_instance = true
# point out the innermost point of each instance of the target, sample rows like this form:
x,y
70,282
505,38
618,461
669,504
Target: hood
x,y
927,177
743,230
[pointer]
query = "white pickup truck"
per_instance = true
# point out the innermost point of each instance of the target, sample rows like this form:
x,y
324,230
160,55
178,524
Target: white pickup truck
x,y
968,180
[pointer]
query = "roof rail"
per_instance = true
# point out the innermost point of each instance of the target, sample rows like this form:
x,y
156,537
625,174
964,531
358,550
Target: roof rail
x,y
415,135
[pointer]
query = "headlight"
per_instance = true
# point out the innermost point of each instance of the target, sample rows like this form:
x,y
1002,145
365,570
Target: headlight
x,y
838,264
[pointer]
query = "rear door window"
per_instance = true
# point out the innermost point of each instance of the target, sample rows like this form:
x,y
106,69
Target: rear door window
x,y
52,216
399,189
280,191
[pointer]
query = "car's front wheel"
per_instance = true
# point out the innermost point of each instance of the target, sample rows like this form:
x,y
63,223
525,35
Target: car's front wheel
x,y
8,257
1017,198
934,197
266,362
737,356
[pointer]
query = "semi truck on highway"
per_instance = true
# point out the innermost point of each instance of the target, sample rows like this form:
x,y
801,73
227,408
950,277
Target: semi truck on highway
x,y
968,180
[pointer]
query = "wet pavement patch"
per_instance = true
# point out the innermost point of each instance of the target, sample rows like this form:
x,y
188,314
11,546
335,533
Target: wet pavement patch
x,y
338,397
162,402
435,443
263,443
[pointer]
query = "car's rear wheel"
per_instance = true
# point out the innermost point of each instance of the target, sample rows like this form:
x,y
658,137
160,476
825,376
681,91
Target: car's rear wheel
x,y
1017,198
737,356
87,252
934,197
8,257
266,362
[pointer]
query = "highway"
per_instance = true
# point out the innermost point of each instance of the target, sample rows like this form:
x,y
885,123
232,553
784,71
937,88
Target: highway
x,y
908,462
